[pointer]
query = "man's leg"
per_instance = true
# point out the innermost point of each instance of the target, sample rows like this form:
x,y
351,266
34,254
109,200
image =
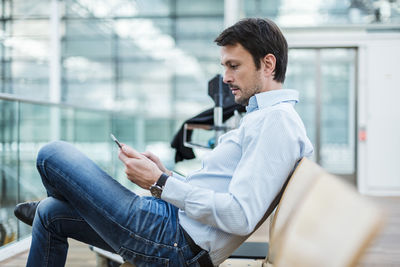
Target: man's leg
x,y
55,221
147,228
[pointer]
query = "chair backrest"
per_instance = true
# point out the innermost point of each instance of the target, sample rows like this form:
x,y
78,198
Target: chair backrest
x,y
298,184
320,221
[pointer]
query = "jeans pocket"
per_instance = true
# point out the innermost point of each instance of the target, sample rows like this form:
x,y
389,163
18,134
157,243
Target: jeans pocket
x,y
142,260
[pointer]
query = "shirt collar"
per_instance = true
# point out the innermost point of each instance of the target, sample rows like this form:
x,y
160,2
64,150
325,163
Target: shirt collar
x,y
270,98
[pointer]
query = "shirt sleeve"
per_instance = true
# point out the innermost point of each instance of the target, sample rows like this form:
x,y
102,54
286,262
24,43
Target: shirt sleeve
x,y
270,150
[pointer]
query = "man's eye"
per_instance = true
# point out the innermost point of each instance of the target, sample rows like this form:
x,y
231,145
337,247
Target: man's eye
x,y
234,67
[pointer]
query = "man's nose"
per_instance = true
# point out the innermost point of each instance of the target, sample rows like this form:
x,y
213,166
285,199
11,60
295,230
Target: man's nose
x,y
227,77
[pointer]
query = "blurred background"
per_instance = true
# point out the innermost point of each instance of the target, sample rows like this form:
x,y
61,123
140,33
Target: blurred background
x,y
78,70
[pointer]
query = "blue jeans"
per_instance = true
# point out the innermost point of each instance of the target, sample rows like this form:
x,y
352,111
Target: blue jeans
x,y
86,204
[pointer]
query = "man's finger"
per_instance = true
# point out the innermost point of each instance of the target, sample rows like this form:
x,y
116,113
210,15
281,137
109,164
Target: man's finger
x,y
130,152
123,157
148,154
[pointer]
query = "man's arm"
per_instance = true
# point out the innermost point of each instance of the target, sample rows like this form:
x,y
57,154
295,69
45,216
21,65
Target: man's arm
x,y
269,152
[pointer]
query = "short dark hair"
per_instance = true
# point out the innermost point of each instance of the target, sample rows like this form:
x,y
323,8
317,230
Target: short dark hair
x,y
260,37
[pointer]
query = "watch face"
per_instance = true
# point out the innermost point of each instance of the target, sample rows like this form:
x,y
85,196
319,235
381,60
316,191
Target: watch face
x,y
155,191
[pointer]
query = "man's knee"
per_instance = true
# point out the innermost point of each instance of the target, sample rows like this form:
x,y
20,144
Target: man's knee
x,y
44,211
48,210
49,150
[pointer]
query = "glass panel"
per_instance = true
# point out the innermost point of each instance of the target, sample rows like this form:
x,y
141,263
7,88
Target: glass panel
x,y
88,48
128,130
30,71
155,71
117,8
96,93
258,8
83,70
8,171
202,48
79,29
332,130
92,136
31,28
206,28
37,8
34,126
191,97
67,124
90,127
137,28
35,130
33,89
158,130
338,110
158,66
25,128
317,12
151,87
7,8
6,78
205,7
301,76
148,7
191,84
25,66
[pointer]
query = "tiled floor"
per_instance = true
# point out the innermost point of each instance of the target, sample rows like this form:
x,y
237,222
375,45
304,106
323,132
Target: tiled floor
x,y
385,249
79,256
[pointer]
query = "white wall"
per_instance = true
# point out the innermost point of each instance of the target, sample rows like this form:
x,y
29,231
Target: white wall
x,y
378,100
379,158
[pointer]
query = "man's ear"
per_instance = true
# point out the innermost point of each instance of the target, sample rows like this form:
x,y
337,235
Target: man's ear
x,y
269,63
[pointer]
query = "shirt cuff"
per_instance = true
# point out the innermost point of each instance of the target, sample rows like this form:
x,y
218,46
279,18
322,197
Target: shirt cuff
x,y
175,192
178,176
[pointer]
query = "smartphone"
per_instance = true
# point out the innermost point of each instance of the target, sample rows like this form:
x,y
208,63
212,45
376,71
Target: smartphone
x,y
116,141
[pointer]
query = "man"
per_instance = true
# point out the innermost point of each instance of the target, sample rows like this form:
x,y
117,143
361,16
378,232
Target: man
x,y
194,221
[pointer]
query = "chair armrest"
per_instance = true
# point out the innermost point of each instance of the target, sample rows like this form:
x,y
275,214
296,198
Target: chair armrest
x,y
251,250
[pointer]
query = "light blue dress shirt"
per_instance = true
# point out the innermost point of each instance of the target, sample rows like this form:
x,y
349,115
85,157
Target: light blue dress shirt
x,y
222,202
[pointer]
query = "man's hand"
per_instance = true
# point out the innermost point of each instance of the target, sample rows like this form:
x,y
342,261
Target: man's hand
x,y
138,168
158,162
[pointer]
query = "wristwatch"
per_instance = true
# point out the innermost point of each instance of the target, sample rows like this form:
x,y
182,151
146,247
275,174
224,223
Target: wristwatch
x,y
157,188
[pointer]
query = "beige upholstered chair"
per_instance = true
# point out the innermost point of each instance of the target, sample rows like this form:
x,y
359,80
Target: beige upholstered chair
x,y
324,223
301,181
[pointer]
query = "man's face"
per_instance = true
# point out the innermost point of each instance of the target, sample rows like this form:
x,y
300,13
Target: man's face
x,y
240,73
